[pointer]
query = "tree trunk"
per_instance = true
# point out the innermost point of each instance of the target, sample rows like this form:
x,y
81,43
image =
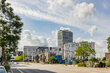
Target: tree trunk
x,y
3,57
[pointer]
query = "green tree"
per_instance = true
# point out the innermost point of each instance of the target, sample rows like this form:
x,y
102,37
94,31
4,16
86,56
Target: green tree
x,y
108,42
93,59
52,60
10,30
104,59
84,50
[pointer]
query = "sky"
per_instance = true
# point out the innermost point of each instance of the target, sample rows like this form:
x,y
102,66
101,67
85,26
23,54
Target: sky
x,y
89,20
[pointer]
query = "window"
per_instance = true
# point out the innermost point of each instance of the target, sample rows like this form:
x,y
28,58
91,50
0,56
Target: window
x,y
2,70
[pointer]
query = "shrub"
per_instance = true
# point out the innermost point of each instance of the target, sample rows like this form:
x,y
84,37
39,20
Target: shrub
x,y
108,64
77,61
81,65
20,58
52,60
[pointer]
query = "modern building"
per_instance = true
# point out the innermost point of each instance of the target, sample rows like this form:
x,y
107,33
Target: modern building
x,y
64,37
69,49
42,50
30,51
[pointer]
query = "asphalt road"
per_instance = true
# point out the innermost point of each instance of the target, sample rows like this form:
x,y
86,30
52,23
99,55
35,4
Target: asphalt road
x,y
17,68
30,71
55,68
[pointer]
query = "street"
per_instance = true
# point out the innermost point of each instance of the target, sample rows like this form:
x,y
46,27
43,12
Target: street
x,y
30,71
55,68
18,68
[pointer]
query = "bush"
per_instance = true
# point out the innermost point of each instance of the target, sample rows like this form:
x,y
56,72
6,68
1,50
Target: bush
x,y
108,64
77,61
20,58
52,60
81,65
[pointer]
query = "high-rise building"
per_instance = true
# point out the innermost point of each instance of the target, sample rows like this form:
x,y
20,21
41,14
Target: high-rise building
x,y
64,37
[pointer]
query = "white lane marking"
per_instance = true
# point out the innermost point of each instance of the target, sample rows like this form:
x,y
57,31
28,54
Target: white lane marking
x,y
11,71
20,71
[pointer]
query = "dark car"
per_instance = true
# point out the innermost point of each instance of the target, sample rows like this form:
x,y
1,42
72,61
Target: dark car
x,y
2,69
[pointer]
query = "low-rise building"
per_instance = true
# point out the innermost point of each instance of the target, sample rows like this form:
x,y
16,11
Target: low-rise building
x,y
32,51
107,55
69,49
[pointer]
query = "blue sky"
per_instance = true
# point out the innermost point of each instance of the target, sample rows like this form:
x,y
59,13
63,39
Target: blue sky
x,y
89,20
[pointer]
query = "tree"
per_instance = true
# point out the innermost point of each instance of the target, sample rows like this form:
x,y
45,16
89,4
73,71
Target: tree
x,y
52,60
108,42
84,50
10,30
104,59
93,59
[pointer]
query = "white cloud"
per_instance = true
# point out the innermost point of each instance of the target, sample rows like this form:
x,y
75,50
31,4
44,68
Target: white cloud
x,y
92,30
84,10
63,28
55,37
66,12
30,38
63,3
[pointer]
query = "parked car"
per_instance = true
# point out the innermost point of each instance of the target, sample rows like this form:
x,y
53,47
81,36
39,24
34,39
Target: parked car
x,y
2,69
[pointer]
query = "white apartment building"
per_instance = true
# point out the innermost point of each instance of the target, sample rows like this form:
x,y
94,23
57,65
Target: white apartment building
x,y
69,49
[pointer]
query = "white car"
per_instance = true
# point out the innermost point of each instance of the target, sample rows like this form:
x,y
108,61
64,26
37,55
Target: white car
x,y
2,69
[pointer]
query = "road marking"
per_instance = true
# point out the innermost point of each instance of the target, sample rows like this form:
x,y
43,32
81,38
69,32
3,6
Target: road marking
x,y
20,71
11,71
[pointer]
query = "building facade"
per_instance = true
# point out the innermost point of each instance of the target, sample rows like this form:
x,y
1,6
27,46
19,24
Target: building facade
x,y
69,49
64,36
32,51
107,55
